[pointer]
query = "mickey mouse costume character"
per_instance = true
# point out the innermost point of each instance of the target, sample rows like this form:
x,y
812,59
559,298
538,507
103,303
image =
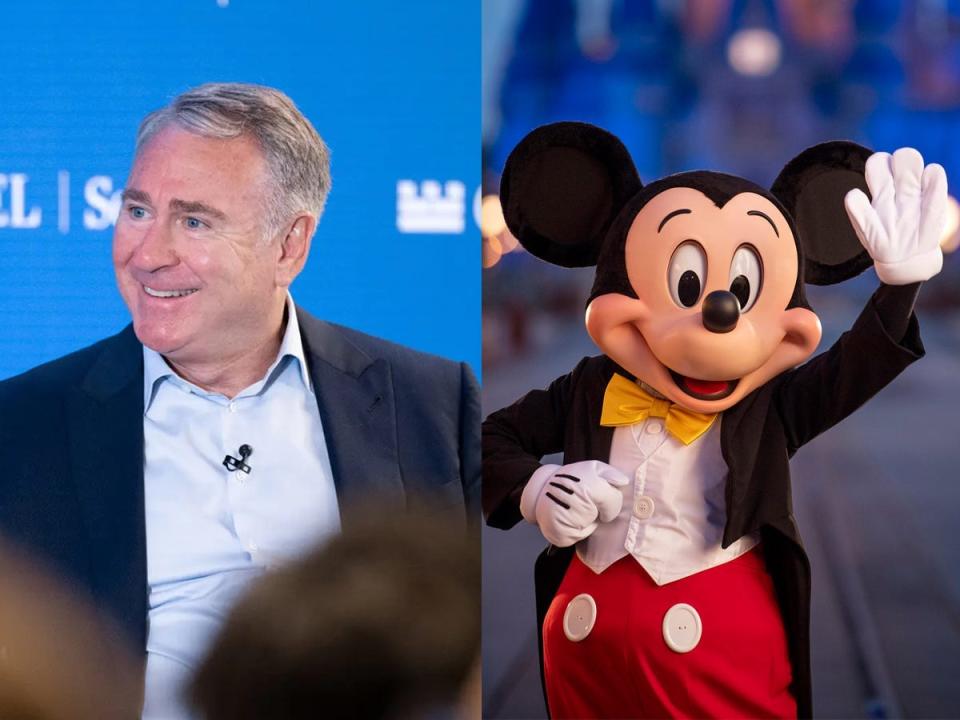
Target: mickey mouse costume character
x,y
676,583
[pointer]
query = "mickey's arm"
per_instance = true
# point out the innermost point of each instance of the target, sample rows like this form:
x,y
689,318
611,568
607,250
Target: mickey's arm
x,y
514,440
883,341
901,230
566,502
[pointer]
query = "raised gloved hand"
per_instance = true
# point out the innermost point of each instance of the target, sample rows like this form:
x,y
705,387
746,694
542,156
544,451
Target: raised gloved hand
x,y
568,502
901,227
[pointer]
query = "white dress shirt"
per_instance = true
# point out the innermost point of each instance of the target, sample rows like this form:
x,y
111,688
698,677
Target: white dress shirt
x,y
674,510
211,531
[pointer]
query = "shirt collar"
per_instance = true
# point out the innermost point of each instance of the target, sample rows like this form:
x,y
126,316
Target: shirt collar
x,y
156,369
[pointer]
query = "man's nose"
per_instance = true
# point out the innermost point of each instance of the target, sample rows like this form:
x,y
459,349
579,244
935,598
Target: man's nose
x,y
156,249
721,311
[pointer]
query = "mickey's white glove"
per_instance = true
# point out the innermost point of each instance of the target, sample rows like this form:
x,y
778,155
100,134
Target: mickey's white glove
x,y
901,230
568,502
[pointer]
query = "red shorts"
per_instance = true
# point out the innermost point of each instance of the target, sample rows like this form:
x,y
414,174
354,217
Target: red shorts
x,y
734,662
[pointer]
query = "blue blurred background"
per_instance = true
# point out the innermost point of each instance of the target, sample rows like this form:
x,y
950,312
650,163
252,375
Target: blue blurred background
x,y
391,87
742,86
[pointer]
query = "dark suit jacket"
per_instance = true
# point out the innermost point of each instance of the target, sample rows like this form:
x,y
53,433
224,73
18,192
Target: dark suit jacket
x,y
758,436
398,424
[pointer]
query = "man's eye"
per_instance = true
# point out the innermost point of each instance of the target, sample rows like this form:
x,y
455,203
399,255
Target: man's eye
x,y
192,223
137,213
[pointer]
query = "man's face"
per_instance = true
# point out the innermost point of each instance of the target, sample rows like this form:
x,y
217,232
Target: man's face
x,y
190,250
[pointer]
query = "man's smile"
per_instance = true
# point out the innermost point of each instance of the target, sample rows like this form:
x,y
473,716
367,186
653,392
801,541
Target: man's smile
x,y
154,292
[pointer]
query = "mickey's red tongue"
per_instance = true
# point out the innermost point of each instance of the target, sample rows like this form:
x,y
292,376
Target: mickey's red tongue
x,y
706,387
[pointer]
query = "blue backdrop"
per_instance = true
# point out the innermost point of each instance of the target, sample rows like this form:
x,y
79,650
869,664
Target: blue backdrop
x,y
393,87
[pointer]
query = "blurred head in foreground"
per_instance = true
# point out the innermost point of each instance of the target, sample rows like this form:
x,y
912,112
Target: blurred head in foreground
x,y
58,659
381,622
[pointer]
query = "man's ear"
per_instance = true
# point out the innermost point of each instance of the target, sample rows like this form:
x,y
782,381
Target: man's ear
x,y
294,246
812,187
561,189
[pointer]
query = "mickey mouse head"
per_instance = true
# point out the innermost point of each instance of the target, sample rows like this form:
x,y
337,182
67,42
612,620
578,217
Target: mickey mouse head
x,y
699,288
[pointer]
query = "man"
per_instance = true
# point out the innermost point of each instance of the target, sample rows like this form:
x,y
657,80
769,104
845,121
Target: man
x,y
226,429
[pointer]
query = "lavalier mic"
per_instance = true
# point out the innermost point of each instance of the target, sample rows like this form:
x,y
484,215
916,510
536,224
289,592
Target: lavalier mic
x,y
231,463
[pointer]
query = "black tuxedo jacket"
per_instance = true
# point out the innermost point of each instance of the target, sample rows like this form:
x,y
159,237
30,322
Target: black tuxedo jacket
x,y
758,436
399,425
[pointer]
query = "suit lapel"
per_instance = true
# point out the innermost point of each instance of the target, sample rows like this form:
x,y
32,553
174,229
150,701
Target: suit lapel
x,y
357,407
754,448
105,417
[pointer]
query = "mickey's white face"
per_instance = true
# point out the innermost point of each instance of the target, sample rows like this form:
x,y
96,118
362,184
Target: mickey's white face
x,y
709,323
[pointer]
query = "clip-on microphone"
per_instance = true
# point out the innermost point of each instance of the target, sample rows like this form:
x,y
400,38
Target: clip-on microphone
x,y
231,463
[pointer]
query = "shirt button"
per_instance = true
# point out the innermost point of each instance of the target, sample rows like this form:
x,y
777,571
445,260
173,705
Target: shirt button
x,y
682,628
232,406
643,507
639,474
654,426
579,618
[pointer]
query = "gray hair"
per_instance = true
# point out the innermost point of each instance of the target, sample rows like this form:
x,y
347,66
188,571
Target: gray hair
x,y
297,157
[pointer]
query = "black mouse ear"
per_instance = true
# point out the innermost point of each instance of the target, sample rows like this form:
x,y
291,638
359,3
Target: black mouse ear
x,y
561,189
812,187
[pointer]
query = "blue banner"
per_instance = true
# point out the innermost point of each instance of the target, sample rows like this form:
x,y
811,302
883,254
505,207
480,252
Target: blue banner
x,y
392,87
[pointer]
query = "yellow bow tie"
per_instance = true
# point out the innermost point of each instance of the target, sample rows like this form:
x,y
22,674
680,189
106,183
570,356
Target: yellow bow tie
x,y
626,403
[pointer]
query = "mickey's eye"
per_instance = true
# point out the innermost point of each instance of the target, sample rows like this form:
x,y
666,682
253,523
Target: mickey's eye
x,y
687,272
746,276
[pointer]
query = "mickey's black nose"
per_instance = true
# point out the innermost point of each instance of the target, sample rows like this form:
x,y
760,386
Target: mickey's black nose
x,y
721,310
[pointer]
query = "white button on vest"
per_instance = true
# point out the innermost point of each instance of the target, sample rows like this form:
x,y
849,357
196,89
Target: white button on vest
x,y
654,426
579,617
682,628
643,507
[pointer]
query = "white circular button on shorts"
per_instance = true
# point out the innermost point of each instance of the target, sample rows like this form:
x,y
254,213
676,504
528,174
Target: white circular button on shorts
x,y
653,427
643,507
682,628
579,617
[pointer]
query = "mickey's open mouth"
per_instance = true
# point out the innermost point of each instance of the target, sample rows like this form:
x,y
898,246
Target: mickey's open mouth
x,y
704,389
